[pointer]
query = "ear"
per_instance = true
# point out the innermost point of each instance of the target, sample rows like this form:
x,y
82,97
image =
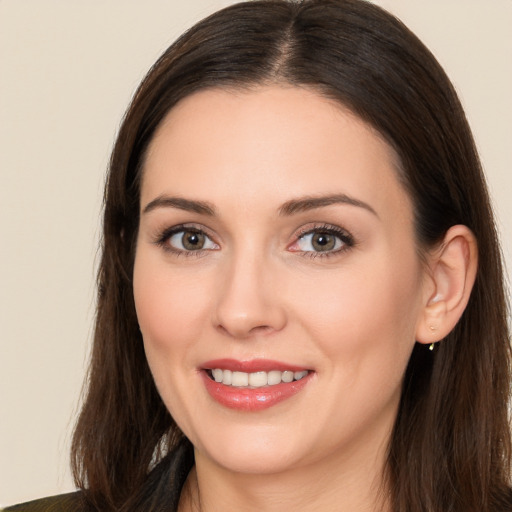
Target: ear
x,y
451,273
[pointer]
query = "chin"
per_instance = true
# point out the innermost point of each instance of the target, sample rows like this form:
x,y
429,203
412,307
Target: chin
x,y
256,452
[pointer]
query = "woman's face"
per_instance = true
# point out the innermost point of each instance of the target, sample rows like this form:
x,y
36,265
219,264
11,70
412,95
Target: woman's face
x,y
276,243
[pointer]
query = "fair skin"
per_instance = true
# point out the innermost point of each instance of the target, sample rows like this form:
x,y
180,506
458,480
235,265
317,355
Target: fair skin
x,y
234,261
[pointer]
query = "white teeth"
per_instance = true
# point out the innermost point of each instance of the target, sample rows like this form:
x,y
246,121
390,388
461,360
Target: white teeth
x,y
287,377
274,377
256,379
227,377
240,379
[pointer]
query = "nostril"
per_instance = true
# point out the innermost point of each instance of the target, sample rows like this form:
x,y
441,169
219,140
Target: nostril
x,y
261,329
242,331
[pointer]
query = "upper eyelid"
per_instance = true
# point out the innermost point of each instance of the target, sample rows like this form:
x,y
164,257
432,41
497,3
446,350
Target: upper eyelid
x,y
341,233
162,238
161,235
186,226
322,226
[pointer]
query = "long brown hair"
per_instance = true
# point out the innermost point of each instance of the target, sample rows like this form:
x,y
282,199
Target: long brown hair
x,y
450,449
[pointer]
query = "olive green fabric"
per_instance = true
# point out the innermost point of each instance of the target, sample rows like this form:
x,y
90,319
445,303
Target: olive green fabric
x,y
62,503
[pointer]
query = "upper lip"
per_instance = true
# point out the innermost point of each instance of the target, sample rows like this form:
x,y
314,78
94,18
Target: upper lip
x,y
251,366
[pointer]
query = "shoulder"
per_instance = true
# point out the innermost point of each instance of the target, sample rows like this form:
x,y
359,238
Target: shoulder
x,y
61,503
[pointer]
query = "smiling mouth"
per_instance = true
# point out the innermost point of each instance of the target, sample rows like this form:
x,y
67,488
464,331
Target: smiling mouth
x,y
253,385
254,380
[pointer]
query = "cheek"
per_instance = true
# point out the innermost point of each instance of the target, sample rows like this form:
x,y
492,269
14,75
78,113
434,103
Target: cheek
x,y
363,311
171,306
363,322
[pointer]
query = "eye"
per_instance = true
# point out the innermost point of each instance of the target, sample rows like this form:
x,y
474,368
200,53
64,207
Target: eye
x,y
322,240
319,242
186,240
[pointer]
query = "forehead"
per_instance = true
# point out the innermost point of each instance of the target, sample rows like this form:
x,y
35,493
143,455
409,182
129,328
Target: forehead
x,y
272,142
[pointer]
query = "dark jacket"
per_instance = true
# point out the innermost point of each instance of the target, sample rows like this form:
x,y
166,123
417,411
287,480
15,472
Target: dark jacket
x,y
62,503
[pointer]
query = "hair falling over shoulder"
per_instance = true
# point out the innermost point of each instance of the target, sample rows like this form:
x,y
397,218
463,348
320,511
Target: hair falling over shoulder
x,y
450,449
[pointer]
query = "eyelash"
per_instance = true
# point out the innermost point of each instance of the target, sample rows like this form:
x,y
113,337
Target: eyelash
x,y
344,236
162,240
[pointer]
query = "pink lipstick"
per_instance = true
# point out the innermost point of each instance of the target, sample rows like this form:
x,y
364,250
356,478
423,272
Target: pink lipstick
x,y
253,385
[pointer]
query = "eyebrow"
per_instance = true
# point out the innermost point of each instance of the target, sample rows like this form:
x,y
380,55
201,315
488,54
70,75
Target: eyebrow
x,y
188,205
310,203
289,208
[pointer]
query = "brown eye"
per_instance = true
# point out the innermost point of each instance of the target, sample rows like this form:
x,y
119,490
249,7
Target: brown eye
x,y
323,242
188,240
192,241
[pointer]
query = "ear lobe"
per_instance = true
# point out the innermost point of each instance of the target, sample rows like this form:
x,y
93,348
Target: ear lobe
x,y
452,272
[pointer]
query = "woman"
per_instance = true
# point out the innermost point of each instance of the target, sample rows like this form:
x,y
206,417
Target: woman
x,y
301,300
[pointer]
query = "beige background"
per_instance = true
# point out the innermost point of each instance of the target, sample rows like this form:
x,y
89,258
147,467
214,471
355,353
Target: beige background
x,y
67,71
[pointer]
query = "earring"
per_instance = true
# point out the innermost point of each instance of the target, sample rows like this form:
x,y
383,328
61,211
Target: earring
x,y
431,347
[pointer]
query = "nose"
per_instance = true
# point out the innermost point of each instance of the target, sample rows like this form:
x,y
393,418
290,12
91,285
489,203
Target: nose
x,y
249,302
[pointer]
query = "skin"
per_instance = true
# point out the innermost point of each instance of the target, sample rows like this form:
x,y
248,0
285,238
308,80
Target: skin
x,y
258,290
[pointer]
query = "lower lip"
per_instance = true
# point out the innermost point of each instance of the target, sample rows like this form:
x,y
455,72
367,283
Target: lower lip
x,y
253,399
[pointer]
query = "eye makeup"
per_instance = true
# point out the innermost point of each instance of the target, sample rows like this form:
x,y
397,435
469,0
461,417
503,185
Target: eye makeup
x,y
324,240
312,240
186,240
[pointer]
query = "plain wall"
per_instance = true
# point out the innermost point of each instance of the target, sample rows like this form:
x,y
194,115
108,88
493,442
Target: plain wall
x,y
67,72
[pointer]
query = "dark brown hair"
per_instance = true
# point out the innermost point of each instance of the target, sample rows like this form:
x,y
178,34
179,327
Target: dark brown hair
x,y
450,449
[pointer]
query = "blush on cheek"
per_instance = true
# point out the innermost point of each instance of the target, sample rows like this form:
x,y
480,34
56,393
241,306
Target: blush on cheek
x,y
168,312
